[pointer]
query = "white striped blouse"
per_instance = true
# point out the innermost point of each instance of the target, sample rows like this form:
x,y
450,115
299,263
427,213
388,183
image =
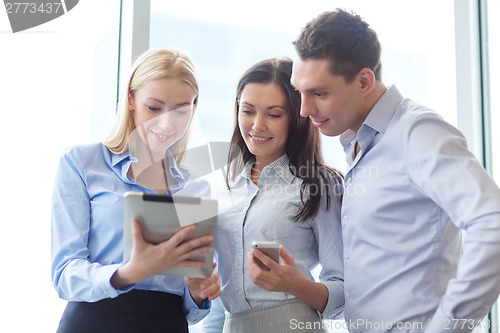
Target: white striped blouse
x,y
265,212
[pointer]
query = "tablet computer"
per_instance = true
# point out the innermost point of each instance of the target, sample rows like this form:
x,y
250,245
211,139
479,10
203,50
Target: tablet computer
x,y
161,216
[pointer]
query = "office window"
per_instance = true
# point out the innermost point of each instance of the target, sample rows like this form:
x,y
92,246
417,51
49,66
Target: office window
x,y
58,89
418,50
492,71
493,54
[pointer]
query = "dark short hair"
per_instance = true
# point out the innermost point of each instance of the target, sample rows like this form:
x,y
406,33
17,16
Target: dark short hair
x,y
303,144
344,39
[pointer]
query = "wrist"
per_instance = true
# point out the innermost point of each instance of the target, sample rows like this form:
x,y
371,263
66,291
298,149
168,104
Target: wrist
x,y
198,300
123,277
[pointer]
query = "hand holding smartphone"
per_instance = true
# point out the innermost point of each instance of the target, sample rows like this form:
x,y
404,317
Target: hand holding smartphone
x,y
271,249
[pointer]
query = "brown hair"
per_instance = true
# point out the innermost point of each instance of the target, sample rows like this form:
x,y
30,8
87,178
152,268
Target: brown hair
x,y
303,145
344,39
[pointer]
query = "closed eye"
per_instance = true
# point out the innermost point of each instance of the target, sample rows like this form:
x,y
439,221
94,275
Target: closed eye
x,y
153,109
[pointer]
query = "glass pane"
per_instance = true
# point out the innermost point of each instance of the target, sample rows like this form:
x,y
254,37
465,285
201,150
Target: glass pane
x,y
493,49
226,39
58,84
418,51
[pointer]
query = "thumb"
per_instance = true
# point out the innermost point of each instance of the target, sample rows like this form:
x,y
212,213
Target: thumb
x,y
138,238
288,258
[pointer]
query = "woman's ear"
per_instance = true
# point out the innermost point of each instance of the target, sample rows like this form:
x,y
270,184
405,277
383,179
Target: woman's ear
x,y
366,79
130,102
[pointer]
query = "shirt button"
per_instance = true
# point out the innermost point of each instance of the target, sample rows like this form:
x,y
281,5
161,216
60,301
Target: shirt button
x,y
238,263
238,234
277,181
349,179
195,311
268,170
347,256
346,218
239,293
348,295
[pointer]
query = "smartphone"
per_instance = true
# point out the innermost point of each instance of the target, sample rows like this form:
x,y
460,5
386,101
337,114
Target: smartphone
x,y
272,249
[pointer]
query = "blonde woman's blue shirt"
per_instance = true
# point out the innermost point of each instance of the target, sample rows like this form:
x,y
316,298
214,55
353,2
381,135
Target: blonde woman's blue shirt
x,y
87,225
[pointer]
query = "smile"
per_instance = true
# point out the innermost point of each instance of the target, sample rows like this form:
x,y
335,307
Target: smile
x,y
161,137
260,139
318,123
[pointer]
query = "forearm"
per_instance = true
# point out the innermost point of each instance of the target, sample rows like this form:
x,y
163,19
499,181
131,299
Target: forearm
x,y
84,281
312,293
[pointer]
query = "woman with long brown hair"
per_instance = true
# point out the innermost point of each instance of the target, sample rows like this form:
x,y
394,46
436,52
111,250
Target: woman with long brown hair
x,y
281,191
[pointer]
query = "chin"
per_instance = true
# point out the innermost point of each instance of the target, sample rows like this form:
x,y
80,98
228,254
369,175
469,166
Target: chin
x,y
328,132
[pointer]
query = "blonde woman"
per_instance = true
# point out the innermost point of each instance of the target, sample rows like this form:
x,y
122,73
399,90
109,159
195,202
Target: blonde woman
x,y
143,152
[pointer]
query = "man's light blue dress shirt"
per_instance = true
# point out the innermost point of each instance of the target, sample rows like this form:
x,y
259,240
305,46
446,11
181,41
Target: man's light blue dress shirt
x,y
87,225
264,212
408,193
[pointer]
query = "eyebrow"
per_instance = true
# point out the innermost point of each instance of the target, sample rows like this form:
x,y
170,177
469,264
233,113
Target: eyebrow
x,y
315,89
268,108
178,105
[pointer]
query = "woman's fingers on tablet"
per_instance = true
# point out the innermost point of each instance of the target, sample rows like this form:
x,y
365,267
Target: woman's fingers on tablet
x,y
196,243
180,235
185,253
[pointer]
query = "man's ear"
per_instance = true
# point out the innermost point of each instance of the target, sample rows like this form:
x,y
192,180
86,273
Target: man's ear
x,y
366,79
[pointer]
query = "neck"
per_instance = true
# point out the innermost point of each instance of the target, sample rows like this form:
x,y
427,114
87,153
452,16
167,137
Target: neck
x,y
371,99
154,177
257,169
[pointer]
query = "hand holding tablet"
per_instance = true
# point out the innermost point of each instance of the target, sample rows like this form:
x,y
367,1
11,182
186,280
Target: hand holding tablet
x,y
153,226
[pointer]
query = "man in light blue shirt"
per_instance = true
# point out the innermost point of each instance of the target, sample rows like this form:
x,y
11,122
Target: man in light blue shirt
x,y
411,187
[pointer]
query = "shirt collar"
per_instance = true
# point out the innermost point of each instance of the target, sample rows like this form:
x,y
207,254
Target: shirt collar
x,y
379,117
180,173
281,166
117,158
382,112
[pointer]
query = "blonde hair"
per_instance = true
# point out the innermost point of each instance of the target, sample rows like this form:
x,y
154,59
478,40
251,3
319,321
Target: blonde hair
x,y
152,65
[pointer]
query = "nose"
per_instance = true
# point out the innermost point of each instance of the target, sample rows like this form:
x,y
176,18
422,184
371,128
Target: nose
x,y
259,122
307,107
165,120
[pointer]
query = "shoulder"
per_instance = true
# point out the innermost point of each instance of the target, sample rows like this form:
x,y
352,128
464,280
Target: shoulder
x,y
416,122
84,151
84,156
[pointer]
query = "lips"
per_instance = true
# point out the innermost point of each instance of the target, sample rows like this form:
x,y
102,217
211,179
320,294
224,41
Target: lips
x,y
318,123
259,139
161,137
